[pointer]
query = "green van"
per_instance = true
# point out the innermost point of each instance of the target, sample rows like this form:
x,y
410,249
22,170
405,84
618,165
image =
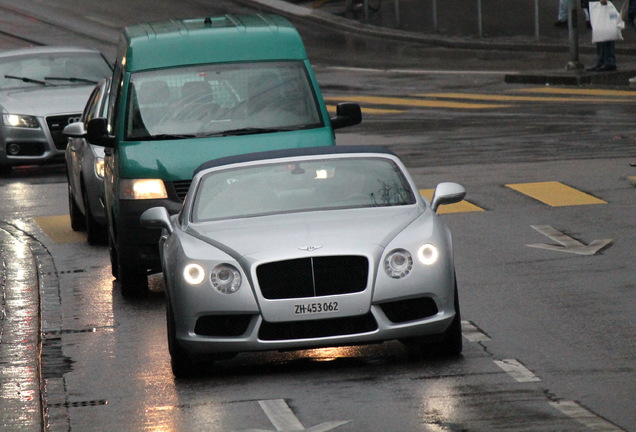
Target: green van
x,y
187,91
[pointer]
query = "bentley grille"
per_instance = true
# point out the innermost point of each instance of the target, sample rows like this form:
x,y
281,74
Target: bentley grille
x,y
313,277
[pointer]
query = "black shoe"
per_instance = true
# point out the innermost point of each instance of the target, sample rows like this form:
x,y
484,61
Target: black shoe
x,y
606,68
592,69
561,23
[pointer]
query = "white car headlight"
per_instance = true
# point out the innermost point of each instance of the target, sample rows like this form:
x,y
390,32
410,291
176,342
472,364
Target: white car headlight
x,y
398,263
193,274
18,120
225,278
428,254
135,189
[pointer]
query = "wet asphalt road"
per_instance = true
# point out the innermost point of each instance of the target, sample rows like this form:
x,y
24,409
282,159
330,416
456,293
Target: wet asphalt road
x,y
549,336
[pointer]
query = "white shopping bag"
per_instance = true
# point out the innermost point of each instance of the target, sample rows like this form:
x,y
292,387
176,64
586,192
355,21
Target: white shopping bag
x,y
606,22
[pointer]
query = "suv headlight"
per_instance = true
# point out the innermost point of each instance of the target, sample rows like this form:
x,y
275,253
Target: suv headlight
x,y
19,120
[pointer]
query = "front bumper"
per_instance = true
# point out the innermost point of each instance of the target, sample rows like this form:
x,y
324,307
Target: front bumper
x,y
33,146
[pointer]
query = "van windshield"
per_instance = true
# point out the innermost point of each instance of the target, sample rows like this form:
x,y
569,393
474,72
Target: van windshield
x,y
220,100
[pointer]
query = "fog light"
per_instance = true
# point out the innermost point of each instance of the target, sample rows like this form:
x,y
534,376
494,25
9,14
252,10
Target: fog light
x,y
13,149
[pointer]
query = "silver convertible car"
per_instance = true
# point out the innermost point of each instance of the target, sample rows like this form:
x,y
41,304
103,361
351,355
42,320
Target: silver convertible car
x,y
307,248
42,90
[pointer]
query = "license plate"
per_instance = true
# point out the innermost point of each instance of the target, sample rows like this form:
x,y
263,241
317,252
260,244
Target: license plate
x,y
316,308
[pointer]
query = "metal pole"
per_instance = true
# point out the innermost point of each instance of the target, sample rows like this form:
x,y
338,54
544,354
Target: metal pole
x,y
536,19
366,11
397,13
573,28
435,27
479,23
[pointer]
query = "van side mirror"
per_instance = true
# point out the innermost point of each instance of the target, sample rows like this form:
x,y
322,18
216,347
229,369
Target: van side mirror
x,y
97,132
347,114
447,193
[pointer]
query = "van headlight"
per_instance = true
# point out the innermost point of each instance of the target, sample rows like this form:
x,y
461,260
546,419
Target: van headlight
x,y
135,189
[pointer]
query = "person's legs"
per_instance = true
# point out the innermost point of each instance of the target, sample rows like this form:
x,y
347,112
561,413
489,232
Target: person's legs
x,y
562,16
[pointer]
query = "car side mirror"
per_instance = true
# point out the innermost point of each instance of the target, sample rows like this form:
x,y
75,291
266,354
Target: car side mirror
x,y
447,193
97,132
347,114
156,217
75,130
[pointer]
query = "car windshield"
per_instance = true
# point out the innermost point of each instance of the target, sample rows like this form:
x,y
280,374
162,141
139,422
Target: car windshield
x,y
307,185
220,100
52,69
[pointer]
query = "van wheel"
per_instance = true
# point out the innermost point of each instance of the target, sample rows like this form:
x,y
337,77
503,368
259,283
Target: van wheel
x,y
133,281
77,218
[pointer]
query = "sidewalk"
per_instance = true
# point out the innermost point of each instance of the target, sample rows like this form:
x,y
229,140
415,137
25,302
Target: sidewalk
x,y
513,30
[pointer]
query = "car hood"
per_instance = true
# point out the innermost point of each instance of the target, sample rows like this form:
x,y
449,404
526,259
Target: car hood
x,y
321,232
45,101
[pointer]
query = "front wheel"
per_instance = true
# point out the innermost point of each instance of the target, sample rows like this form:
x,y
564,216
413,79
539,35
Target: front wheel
x,y
95,232
77,218
133,280
180,362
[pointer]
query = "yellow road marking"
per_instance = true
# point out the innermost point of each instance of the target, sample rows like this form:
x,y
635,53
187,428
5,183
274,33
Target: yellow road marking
x,y
382,100
555,194
509,98
332,110
58,228
586,92
460,207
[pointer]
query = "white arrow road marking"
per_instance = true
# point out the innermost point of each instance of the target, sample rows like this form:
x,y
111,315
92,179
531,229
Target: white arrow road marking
x,y
568,244
284,419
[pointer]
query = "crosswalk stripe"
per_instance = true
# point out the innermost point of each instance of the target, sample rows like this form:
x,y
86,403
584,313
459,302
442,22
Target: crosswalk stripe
x,y
555,194
58,229
510,98
586,92
460,207
383,100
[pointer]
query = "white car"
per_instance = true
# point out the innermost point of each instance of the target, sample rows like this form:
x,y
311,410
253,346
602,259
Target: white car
x,y
85,170
306,248
42,90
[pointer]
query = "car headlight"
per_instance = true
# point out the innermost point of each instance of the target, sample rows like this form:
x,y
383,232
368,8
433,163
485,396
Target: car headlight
x,y
193,274
428,254
99,167
398,263
135,189
18,120
225,278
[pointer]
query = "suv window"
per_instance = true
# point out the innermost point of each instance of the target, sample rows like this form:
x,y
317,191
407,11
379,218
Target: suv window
x,y
221,99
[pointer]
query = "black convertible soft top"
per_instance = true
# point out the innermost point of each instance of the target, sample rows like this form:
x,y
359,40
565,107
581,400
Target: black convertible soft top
x,y
292,152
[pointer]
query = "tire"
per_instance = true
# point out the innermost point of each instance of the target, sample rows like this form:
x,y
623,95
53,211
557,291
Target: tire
x,y
77,218
5,169
448,344
452,343
133,281
95,232
180,362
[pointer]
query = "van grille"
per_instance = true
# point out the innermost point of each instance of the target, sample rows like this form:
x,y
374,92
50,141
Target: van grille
x,y
181,188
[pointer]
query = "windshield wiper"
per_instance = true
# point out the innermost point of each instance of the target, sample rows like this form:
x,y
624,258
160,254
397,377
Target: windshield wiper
x,y
160,137
71,79
26,79
249,131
